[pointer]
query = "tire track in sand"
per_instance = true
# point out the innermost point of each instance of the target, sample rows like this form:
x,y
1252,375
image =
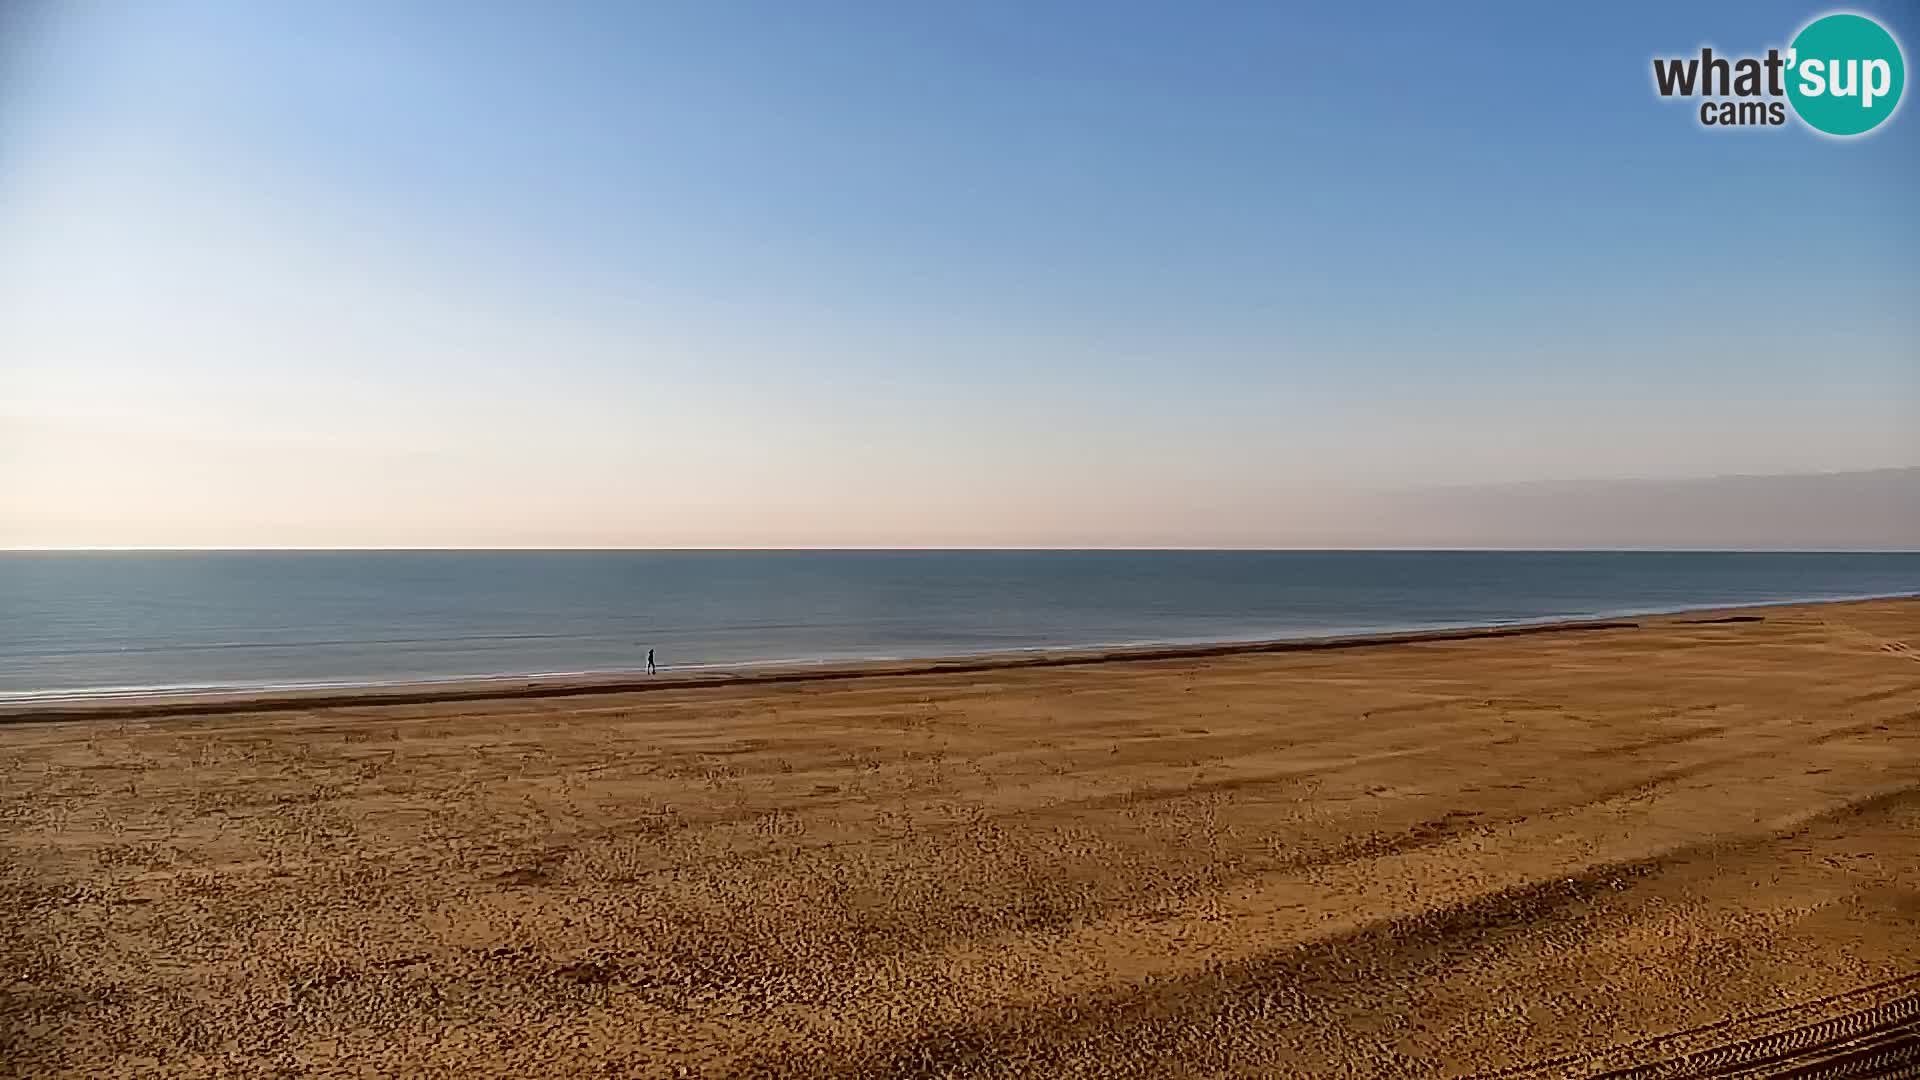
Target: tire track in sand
x,y
1871,1032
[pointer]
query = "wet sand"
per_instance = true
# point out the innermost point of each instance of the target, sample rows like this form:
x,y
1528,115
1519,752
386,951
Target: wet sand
x,y
1430,857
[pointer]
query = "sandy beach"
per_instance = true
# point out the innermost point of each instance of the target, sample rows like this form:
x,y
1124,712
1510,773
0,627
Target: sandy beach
x,y
1564,852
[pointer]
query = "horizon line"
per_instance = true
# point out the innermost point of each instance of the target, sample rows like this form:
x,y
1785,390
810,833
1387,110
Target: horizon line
x,y
937,549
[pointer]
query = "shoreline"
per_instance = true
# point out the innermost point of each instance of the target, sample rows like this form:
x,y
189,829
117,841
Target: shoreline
x,y
1540,845
83,705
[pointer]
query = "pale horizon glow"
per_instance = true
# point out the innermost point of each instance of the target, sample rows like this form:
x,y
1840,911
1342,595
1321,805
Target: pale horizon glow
x,y
341,275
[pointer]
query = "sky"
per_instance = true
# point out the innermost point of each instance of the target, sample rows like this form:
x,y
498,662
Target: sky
x,y
426,273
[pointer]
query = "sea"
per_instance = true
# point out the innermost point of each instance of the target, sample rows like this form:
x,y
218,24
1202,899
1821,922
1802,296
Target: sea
x,y
77,624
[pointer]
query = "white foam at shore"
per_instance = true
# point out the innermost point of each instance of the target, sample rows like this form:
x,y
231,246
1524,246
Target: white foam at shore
x,y
95,695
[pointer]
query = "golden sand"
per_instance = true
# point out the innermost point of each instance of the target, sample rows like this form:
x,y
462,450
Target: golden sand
x,y
1419,858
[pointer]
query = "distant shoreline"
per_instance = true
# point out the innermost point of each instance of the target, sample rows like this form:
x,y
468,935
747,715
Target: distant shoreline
x,y
83,705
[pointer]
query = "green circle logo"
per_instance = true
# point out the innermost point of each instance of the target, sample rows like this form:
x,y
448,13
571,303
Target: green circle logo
x,y
1845,74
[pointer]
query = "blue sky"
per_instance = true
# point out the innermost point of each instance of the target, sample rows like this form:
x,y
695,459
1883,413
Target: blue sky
x,y
838,273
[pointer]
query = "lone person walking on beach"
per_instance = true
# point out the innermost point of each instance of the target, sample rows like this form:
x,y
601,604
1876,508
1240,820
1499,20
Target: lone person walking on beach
x,y
651,670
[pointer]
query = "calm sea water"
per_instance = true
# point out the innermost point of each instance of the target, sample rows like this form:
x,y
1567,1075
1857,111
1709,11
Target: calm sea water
x,y
100,622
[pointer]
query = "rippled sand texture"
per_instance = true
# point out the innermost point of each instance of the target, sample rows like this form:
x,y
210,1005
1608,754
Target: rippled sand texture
x,y
1415,859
